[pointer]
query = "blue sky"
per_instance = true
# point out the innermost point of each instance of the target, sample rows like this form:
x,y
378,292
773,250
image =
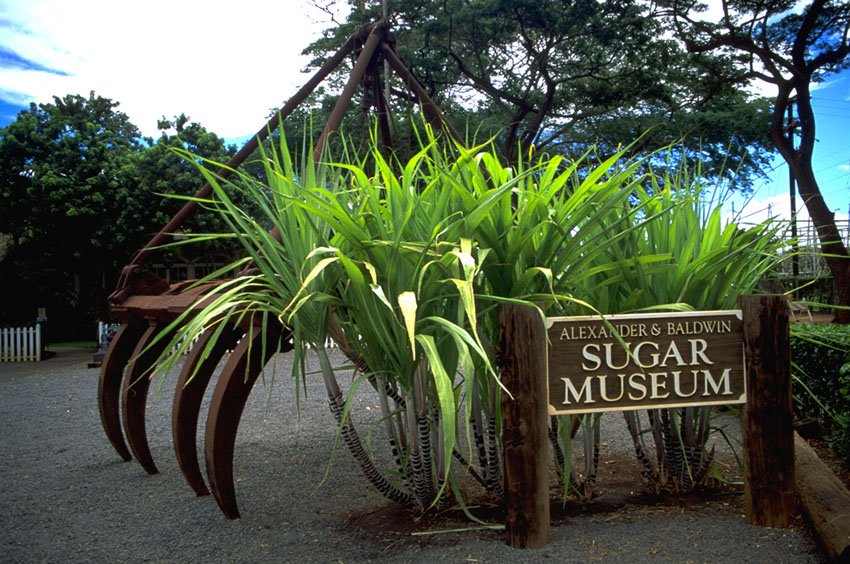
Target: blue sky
x,y
228,69
831,103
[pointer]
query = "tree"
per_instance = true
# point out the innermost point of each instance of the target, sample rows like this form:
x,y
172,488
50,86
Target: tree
x,y
792,46
80,192
563,75
61,168
158,172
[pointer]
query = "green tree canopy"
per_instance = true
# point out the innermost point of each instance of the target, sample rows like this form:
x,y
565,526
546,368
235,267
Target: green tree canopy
x,y
564,75
158,172
62,165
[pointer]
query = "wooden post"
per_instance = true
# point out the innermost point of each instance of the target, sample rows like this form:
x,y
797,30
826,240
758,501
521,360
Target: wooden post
x,y
524,426
769,481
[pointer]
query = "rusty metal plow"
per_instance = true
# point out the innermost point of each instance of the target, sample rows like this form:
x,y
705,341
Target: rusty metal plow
x,y
125,378
148,307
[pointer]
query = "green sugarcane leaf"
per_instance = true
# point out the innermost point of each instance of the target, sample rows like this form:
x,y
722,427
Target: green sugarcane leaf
x,y
445,394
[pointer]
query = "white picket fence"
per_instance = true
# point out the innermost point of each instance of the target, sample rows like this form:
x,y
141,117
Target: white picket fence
x,y
104,333
20,344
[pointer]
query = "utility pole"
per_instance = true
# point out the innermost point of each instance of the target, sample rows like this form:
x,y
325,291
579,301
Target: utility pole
x,y
791,126
385,14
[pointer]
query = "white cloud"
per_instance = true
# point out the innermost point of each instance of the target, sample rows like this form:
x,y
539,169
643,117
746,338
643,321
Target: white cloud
x,y
224,68
774,207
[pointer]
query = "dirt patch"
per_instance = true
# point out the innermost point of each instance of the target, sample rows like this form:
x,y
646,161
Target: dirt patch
x,y
618,498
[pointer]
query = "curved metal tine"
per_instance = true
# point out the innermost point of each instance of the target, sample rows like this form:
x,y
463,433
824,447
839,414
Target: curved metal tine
x,y
231,392
109,384
191,385
135,393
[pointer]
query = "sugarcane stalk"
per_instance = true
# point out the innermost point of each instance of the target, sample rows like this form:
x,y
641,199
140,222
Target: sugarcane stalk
x,y
392,434
594,467
478,434
398,442
564,465
557,450
419,487
336,333
494,470
648,472
704,466
466,464
441,463
672,446
423,430
655,424
352,438
687,440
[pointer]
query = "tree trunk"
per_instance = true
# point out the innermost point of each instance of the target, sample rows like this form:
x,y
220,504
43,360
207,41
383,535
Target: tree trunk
x,y
800,161
836,255
842,291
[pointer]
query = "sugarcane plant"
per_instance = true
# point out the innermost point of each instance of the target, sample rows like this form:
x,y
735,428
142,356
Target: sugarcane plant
x,y
705,264
545,236
402,266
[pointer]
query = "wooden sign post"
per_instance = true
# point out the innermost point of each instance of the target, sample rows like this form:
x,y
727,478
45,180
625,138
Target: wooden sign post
x,y
524,426
768,433
642,361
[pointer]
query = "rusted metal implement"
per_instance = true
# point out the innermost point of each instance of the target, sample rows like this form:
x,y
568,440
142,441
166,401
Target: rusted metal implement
x,y
146,305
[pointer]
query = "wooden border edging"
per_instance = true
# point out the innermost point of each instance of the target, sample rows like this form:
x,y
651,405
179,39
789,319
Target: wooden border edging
x,y
524,426
768,433
825,502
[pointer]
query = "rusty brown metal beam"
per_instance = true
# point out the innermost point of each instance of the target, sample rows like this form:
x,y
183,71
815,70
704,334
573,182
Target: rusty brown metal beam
x,y
137,379
382,111
166,306
117,355
364,59
429,108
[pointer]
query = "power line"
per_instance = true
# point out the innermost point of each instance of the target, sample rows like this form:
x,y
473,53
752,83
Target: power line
x,y
815,97
839,110
828,102
832,165
840,150
823,114
836,190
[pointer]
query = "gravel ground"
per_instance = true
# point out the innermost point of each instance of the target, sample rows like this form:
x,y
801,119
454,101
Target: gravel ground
x,y
66,496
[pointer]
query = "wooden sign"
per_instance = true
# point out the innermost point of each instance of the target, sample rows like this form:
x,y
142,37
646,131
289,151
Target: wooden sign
x,y
645,361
